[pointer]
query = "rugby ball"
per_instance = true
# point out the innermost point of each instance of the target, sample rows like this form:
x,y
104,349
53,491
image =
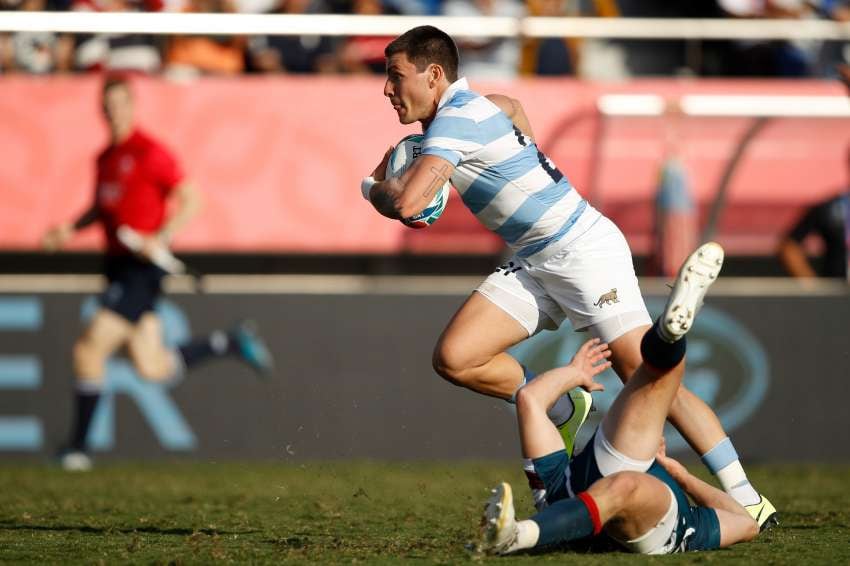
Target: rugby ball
x,y
408,149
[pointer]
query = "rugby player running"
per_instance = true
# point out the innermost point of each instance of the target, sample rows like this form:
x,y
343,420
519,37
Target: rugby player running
x,y
141,186
569,262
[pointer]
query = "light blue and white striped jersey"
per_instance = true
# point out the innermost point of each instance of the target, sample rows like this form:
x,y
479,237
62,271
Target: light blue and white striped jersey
x,y
510,186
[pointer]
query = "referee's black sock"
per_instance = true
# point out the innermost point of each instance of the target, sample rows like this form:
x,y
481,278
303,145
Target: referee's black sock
x,y
86,403
198,350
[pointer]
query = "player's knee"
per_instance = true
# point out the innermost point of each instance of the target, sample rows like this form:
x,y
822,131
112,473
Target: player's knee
x,y
446,363
151,368
623,487
452,365
88,359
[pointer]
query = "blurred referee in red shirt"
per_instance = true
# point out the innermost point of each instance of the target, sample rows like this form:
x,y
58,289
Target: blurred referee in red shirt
x,y
138,183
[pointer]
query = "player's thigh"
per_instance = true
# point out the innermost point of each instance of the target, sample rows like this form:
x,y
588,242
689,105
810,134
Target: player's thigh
x,y
631,503
649,513
105,333
594,283
625,351
147,349
635,421
508,307
478,331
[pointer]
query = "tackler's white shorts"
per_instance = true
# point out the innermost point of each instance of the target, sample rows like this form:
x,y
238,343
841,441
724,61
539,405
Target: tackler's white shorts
x,y
589,280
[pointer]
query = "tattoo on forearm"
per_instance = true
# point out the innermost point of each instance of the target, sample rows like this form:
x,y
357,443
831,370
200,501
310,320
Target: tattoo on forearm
x,y
438,181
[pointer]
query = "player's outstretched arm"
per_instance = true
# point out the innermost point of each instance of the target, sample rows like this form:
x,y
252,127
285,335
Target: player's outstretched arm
x,y
538,435
407,195
793,258
736,525
513,108
57,236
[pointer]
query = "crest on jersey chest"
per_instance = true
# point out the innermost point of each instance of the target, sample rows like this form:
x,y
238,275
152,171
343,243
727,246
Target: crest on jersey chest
x,y
125,164
108,193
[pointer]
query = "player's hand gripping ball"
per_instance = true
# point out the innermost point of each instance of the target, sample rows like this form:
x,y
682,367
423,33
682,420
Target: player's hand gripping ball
x,y
408,149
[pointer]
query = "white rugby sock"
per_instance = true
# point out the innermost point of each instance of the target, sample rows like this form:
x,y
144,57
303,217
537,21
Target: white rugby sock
x,y
528,533
722,460
735,483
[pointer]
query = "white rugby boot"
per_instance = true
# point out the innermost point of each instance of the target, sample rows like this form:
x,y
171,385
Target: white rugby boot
x,y
696,275
499,528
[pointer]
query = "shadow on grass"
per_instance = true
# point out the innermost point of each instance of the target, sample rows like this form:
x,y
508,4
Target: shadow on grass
x,y
177,531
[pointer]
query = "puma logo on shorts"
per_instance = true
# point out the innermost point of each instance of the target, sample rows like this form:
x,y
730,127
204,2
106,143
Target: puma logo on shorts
x,y
608,298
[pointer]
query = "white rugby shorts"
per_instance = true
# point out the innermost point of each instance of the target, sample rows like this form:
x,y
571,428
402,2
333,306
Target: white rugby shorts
x,y
589,280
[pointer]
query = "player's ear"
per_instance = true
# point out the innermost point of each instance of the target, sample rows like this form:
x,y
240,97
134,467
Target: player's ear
x,y
435,74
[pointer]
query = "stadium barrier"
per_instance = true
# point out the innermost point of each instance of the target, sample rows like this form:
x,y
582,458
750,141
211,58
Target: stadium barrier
x,y
335,25
354,377
279,160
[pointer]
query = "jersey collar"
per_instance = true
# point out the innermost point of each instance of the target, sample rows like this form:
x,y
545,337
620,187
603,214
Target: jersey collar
x,y
460,84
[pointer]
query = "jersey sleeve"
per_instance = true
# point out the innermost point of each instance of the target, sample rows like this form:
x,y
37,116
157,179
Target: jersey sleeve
x,y
452,138
163,168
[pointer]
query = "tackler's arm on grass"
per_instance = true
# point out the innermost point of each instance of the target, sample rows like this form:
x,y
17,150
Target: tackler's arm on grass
x,y
736,524
406,195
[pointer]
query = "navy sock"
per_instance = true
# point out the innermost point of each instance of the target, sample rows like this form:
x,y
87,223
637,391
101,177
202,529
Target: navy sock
x,y
86,403
563,521
198,350
659,353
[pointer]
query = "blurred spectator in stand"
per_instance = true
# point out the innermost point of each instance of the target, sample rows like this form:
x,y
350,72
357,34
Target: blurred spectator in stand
x,y
487,57
556,55
834,53
676,225
414,7
192,55
844,75
364,54
548,55
117,52
828,221
771,58
292,53
35,52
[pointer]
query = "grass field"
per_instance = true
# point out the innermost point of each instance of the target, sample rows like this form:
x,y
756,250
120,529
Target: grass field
x,y
343,512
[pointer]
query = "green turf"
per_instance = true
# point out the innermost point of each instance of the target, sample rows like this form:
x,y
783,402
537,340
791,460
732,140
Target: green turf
x,y
341,513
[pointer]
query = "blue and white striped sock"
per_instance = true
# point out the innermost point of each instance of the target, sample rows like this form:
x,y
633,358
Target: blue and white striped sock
x,y
722,461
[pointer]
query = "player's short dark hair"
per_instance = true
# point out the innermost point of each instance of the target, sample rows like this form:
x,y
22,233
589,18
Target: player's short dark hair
x,y
424,45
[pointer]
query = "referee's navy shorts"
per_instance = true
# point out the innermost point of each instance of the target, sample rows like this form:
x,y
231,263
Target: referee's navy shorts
x,y
133,287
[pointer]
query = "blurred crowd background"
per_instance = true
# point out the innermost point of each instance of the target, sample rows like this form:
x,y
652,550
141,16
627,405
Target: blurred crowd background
x,y
770,189
498,58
